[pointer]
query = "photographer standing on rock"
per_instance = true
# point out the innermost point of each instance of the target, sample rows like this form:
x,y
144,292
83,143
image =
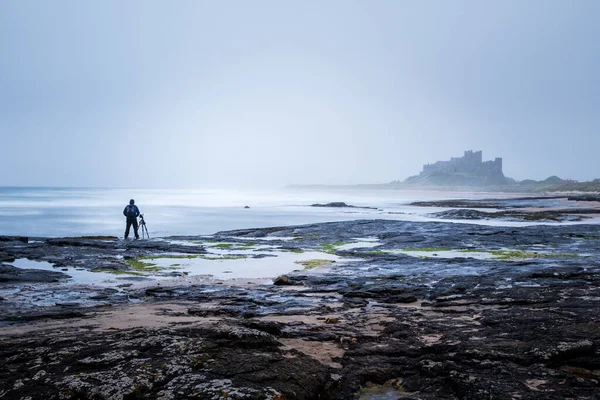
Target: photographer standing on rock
x,y
131,212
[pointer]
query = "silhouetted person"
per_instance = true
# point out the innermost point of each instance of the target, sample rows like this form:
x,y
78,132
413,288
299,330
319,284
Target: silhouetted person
x,y
131,212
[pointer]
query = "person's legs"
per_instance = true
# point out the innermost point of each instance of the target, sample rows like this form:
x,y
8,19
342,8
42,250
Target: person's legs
x,y
127,228
135,228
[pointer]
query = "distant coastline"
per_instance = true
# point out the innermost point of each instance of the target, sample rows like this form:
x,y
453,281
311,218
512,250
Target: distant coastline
x,y
518,187
471,174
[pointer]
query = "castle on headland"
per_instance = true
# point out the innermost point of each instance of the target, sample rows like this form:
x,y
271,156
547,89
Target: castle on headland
x,y
470,169
471,163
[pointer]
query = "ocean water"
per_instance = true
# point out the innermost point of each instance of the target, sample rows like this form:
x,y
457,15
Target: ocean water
x,y
57,212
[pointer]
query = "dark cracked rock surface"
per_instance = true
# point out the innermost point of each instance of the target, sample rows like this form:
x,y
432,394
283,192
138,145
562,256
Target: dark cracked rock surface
x,y
524,209
417,311
340,204
9,273
546,216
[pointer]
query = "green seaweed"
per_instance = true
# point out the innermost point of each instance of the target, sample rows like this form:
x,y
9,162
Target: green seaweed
x,y
514,254
232,246
522,254
582,237
203,242
140,266
223,245
314,263
117,271
297,251
331,247
390,389
376,252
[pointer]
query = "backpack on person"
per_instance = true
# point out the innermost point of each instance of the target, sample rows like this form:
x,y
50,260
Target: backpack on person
x,y
130,212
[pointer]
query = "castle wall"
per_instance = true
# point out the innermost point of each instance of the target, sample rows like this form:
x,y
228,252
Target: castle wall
x,y
470,163
498,161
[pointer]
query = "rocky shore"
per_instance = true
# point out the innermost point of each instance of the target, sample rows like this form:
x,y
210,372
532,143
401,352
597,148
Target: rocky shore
x,y
523,209
406,310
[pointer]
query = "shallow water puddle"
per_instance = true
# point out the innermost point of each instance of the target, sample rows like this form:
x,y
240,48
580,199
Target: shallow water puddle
x,y
219,264
230,267
82,276
67,293
224,247
235,260
363,243
504,254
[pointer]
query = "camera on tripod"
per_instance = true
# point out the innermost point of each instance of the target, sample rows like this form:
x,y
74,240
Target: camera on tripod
x,y
143,227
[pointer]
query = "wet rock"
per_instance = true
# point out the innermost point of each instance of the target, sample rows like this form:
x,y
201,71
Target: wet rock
x,y
340,204
43,315
285,280
211,312
69,304
332,204
163,363
271,327
99,297
565,350
80,242
135,278
553,216
262,256
22,239
6,258
9,273
509,203
586,197
243,337
160,291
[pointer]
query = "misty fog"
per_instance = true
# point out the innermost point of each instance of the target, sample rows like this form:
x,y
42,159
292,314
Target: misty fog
x,y
268,93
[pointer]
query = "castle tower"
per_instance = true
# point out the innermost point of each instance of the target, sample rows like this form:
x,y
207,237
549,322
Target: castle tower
x,y
471,161
498,164
477,156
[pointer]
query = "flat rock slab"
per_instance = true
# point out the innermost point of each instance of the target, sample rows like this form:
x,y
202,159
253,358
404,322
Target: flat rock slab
x,y
9,273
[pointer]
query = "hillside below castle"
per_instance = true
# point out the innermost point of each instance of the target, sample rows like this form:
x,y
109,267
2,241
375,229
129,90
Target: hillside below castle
x,y
471,173
468,170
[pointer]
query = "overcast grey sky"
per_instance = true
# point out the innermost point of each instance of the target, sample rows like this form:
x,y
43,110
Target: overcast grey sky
x,y
211,93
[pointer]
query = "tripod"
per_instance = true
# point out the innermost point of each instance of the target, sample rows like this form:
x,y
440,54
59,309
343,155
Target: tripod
x,y
143,227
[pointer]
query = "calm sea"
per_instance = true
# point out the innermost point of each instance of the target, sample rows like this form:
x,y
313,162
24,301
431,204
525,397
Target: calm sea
x,y
56,212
